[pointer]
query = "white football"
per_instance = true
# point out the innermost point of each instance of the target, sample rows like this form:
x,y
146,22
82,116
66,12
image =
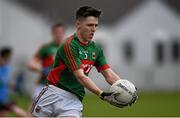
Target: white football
x,y
126,90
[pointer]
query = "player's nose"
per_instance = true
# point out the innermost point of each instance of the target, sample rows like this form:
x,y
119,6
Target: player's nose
x,y
93,29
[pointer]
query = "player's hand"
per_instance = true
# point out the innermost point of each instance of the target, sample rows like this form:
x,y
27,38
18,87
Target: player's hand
x,y
109,97
106,96
133,99
46,71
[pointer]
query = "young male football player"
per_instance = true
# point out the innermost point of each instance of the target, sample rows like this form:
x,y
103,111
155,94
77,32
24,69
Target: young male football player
x,y
69,76
7,105
43,59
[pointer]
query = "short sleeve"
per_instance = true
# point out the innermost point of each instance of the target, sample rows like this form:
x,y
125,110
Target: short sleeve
x,y
101,63
40,52
71,56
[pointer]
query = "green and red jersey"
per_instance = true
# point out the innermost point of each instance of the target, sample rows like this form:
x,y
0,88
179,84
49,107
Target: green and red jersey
x,y
71,56
47,55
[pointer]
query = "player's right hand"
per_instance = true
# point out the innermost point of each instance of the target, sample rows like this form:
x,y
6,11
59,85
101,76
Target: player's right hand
x,y
105,95
109,97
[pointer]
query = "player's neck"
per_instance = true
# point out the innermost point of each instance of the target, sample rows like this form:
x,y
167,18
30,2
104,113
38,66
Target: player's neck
x,y
2,62
81,39
56,43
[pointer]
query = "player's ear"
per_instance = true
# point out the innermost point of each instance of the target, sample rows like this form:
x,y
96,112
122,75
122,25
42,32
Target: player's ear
x,y
77,24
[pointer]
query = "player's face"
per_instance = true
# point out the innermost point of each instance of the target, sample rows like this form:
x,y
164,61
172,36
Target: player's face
x,y
87,27
5,59
58,34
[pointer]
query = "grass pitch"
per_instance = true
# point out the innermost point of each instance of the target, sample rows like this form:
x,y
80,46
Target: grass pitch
x,y
149,104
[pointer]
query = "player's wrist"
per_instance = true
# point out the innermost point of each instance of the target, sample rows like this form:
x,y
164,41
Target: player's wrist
x,y
100,93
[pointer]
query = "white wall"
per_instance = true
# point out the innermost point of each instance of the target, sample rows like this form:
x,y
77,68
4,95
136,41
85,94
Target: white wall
x,y
24,31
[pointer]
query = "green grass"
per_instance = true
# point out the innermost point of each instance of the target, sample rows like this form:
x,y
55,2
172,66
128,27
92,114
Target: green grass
x,y
149,104
21,100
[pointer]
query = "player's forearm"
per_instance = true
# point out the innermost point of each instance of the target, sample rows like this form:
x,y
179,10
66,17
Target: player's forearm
x,y
34,65
35,68
114,78
89,84
110,76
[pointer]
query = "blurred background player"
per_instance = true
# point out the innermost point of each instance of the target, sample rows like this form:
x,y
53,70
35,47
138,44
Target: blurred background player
x,y
43,59
5,104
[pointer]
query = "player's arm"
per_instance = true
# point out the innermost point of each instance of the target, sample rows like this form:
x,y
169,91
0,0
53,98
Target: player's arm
x,y
87,82
110,76
104,68
74,64
35,63
91,86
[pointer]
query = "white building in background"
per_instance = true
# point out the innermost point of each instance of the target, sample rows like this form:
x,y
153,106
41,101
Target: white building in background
x,y
24,31
153,25
139,47
130,45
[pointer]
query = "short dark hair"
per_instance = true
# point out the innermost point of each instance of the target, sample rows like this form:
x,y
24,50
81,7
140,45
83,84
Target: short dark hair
x,y
5,51
86,11
59,24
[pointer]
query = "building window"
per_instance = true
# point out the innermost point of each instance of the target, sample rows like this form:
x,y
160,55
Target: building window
x,y
128,51
175,50
159,52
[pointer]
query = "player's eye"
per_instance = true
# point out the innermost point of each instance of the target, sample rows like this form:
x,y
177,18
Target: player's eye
x,y
90,25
